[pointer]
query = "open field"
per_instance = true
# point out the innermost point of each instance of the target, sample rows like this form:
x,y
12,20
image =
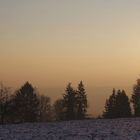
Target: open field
x,y
117,129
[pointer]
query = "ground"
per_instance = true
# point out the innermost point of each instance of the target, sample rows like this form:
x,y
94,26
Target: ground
x,y
115,129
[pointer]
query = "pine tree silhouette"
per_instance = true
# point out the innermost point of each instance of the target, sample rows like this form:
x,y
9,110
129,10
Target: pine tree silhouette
x,y
81,101
136,98
26,104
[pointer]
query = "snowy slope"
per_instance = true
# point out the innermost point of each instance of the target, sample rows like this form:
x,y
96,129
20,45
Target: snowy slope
x,y
117,129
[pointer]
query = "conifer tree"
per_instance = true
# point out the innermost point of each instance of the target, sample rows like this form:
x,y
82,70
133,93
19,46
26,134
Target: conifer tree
x,y
4,103
69,99
110,106
117,105
81,101
122,105
136,98
26,104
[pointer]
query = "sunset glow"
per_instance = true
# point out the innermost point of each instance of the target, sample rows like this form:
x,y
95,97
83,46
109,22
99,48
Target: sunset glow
x,y
51,43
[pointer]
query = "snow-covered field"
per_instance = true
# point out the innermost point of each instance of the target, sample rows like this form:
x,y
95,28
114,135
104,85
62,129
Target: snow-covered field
x,y
117,129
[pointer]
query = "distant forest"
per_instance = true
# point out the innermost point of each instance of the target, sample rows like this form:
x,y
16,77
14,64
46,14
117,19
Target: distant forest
x,y
27,105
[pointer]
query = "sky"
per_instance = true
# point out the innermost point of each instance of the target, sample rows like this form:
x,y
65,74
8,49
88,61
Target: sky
x,y
50,43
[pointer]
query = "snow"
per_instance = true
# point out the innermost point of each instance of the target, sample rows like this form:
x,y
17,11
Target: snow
x,y
103,129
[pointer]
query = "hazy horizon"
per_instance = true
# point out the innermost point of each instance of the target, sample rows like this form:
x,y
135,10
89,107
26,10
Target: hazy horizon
x,y
51,43
96,95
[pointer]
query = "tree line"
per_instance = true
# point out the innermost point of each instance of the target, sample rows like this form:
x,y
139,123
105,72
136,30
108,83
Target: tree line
x,y
27,105
118,105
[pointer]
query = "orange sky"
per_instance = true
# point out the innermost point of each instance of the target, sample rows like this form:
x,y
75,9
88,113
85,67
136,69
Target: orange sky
x,y
50,43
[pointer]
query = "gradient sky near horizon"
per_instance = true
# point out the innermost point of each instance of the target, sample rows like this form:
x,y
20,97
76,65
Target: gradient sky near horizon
x,y
53,42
